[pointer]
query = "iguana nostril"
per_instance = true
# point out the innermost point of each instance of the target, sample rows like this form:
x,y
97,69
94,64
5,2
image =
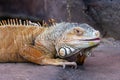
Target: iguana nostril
x,y
97,33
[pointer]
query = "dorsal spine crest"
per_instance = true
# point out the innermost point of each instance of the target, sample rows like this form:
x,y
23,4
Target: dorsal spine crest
x,y
17,22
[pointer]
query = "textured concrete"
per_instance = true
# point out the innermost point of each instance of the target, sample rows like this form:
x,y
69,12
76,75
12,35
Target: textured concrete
x,y
106,13
104,64
60,10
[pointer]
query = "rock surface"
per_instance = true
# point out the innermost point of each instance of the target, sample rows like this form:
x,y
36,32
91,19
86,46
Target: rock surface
x,y
106,14
61,10
102,14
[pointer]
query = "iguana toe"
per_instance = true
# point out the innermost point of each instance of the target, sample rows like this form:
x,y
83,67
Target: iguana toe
x,y
73,64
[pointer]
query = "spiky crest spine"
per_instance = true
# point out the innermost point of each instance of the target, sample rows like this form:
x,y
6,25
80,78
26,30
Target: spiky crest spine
x,y
16,22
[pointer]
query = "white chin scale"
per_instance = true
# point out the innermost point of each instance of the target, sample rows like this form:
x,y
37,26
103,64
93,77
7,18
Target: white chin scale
x,y
65,51
88,53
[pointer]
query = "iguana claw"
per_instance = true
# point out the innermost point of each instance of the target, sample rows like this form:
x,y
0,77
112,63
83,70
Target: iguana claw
x,y
74,64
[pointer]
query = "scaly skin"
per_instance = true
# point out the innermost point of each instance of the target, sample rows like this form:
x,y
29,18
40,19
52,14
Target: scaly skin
x,y
29,42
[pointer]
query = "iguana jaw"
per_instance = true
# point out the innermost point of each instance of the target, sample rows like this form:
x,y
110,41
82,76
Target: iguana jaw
x,y
93,39
72,47
83,43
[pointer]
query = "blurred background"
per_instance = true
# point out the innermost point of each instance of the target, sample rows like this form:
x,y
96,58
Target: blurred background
x,y
103,15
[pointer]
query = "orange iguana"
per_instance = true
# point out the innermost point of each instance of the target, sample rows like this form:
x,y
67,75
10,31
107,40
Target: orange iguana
x,y
29,42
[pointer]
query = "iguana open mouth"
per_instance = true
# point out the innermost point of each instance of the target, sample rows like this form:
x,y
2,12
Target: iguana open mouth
x,y
90,39
93,39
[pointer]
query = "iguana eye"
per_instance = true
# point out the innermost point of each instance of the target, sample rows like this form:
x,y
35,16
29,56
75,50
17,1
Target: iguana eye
x,y
78,31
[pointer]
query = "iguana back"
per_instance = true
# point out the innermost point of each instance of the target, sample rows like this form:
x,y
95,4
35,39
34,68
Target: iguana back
x,y
13,36
21,42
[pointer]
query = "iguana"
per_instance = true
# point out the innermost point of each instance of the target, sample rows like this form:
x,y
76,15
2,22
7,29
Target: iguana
x,y
29,42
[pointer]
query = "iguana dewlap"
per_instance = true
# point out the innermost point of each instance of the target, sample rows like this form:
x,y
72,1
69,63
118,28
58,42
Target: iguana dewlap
x,y
29,42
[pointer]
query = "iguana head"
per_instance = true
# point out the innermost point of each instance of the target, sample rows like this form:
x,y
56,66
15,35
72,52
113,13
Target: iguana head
x,y
74,37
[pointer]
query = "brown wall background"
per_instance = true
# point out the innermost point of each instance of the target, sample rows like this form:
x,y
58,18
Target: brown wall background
x,y
101,14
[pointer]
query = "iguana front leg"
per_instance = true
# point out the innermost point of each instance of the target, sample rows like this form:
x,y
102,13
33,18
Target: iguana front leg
x,y
42,56
80,59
